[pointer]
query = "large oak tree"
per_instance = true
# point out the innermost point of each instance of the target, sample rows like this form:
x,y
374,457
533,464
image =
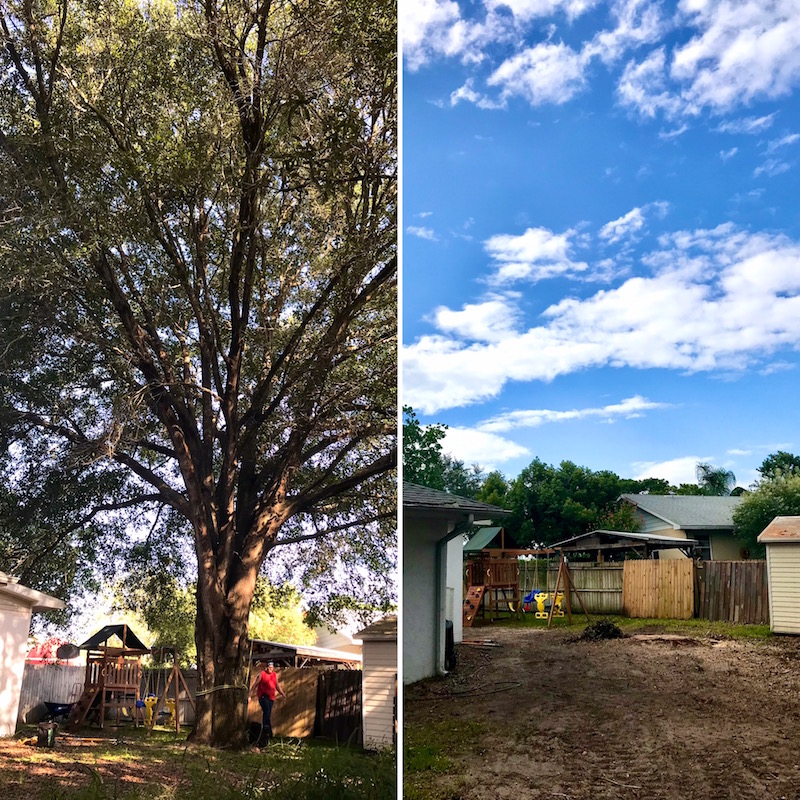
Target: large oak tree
x,y
197,285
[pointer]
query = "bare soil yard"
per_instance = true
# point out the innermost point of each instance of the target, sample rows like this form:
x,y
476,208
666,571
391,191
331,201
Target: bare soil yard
x,y
647,716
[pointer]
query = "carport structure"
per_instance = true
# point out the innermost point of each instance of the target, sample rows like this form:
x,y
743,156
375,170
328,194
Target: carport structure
x,y
302,655
617,545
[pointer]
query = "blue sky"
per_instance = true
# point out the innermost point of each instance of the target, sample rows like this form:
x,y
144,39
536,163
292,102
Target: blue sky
x,y
601,253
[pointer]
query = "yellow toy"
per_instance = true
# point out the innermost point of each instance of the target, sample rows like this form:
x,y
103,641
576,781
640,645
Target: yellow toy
x,y
541,599
171,707
149,703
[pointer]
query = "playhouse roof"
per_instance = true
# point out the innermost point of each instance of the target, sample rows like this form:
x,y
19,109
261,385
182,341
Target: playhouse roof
x,y
130,641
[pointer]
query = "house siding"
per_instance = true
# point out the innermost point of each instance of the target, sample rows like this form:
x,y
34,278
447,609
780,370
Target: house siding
x,y
783,572
378,693
15,623
420,601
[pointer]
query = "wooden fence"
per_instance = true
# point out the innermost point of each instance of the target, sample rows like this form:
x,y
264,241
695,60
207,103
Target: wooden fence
x,y
732,591
319,702
53,683
660,589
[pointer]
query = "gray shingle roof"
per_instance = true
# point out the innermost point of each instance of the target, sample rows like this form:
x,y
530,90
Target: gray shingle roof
x,y
415,496
688,512
383,630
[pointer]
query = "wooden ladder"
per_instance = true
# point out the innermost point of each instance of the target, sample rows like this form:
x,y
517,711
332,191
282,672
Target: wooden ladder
x,y
79,711
472,602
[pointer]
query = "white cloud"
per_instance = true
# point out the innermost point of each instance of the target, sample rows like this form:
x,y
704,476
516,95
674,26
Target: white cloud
x,y
467,93
775,144
628,408
726,155
749,125
737,452
675,471
525,10
720,300
492,320
623,227
533,256
426,29
479,447
673,134
638,22
546,73
771,167
743,51
644,86
626,226
421,232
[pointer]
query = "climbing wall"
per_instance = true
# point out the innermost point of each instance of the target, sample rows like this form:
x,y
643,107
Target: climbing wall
x,y
472,602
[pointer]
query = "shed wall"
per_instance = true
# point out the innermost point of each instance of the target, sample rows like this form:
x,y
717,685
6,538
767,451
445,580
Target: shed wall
x,y
15,623
783,570
378,693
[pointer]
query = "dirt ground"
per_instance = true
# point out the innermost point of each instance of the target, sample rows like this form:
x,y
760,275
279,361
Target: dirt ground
x,y
646,716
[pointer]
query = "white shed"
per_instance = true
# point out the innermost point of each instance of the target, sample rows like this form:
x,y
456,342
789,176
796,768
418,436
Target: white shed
x,y
379,682
782,539
17,603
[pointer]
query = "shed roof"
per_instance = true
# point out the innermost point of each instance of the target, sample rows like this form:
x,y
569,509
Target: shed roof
x,y
688,512
780,530
482,538
415,496
130,641
383,630
24,595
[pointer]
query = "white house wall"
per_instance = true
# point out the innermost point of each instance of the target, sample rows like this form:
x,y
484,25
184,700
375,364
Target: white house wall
x,y
15,623
379,683
455,581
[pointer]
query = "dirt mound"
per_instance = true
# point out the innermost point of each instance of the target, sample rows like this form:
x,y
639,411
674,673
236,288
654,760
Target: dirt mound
x,y
600,631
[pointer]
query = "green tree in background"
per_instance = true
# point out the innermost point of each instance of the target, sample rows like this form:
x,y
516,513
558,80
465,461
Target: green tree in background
x,y
772,498
198,295
715,481
780,464
425,463
423,460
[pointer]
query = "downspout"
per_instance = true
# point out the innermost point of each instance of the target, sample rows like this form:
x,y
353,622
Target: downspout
x,y
441,588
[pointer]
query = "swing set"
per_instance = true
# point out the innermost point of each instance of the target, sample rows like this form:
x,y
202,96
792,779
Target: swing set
x,y
156,700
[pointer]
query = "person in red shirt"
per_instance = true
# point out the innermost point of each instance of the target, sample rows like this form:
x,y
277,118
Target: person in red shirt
x,y
267,688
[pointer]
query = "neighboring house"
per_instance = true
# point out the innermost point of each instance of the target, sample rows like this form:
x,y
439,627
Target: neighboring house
x,y
17,603
433,572
705,518
379,683
342,639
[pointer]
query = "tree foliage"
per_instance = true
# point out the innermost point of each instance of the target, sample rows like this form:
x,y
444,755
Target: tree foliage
x,y
715,481
197,291
425,463
772,498
778,465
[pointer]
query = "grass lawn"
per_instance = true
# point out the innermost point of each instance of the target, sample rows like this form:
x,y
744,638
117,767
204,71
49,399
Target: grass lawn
x,y
687,627
163,767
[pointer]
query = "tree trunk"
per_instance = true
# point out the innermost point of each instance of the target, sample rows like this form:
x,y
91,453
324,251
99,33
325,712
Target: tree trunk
x,y
223,676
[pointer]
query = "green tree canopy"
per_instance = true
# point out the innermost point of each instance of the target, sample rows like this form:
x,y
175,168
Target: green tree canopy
x,y
425,463
716,481
779,465
773,498
197,294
